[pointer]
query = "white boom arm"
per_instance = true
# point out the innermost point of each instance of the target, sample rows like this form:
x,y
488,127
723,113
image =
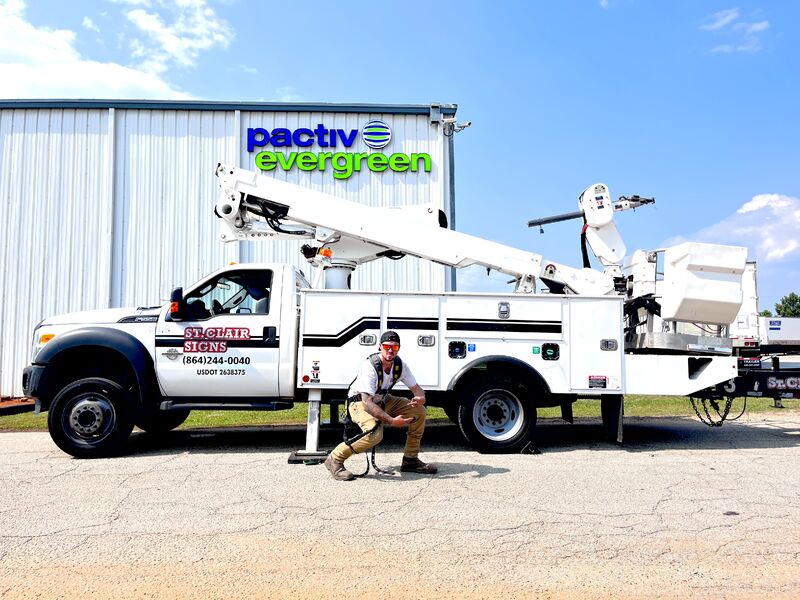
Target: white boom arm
x,y
355,233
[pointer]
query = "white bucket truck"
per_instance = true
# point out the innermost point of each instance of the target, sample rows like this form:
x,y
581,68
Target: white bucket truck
x,y
259,336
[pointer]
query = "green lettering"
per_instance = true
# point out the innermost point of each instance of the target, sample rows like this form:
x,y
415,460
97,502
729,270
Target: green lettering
x,y
306,161
359,156
399,162
377,162
323,157
342,165
426,162
286,162
265,161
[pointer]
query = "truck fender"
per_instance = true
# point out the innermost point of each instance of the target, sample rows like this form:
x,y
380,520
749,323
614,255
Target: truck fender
x,y
125,344
503,362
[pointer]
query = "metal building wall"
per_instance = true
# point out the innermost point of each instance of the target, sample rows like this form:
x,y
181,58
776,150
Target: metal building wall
x,y
107,207
55,255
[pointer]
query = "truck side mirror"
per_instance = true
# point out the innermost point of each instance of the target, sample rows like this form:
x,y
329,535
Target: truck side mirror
x,y
177,306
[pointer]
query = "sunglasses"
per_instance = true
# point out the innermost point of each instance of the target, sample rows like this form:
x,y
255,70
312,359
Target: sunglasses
x,y
394,347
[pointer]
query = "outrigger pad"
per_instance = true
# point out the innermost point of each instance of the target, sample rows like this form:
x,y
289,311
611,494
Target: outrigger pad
x,y
301,457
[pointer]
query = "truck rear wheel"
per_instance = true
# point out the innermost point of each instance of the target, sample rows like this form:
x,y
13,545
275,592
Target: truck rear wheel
x,y
91,418
161,421
494,417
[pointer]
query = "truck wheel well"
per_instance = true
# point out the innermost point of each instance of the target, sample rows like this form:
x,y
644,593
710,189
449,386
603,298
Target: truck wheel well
x,y
515,370
91,361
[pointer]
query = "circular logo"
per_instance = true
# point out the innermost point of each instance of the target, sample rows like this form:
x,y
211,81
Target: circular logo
x,y
376,134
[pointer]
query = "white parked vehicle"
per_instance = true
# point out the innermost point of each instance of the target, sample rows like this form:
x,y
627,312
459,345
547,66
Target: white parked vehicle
x,y
259,336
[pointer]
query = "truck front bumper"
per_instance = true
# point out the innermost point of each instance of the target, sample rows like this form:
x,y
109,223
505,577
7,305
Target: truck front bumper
x,y
31,381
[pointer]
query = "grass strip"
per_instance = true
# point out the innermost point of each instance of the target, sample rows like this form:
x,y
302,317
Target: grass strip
x,y
635,406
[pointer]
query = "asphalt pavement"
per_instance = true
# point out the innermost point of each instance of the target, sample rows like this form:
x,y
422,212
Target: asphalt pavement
x,y
679,511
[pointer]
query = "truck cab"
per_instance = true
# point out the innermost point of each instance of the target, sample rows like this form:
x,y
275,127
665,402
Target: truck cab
x,y
228,341
233,339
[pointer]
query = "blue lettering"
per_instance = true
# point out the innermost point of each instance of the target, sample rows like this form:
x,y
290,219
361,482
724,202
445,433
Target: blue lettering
x,y
309,141
281,137
347,140
256,138
321,133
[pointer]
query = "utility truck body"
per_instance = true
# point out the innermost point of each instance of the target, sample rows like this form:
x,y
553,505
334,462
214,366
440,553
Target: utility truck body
x,y
259,336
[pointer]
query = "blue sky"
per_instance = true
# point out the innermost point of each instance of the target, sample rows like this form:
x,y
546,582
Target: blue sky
x,y
693,102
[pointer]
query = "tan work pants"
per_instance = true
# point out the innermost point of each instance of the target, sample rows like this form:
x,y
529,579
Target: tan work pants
x,y
395,407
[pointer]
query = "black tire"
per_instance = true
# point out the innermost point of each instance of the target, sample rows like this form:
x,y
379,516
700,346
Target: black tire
x,y
91,418
495,415
451,410
161,421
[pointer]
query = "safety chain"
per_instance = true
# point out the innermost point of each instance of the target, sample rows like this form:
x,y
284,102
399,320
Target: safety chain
x,y
721,416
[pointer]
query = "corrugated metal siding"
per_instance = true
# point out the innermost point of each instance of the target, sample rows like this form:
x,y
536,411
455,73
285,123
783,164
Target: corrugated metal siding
x,y
113,207
56,225
166,233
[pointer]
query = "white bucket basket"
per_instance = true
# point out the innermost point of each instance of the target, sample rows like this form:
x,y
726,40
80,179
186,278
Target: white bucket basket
x,y
702,283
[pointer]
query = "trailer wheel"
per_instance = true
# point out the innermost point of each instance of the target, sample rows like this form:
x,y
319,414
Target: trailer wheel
x,y
91,418
494,416
161,421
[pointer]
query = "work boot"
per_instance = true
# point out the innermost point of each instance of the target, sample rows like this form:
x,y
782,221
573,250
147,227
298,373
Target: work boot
x,y
415,465
338,472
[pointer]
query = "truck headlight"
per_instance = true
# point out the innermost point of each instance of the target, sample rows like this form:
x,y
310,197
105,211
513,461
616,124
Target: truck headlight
x,y
40,339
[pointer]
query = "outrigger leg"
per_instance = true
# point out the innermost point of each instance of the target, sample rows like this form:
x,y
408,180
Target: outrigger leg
x,y
611,409
311,455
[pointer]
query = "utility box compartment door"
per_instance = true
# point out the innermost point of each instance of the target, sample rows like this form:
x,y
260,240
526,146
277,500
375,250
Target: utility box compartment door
x,y
596,345
338,331
416,320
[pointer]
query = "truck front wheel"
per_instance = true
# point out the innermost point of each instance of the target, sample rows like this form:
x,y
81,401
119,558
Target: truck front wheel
x,y
90,418
494,416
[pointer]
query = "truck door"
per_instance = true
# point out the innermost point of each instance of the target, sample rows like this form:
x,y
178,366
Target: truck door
x,y
227,344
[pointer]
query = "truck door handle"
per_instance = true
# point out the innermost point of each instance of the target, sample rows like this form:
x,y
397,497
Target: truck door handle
x,y
270,333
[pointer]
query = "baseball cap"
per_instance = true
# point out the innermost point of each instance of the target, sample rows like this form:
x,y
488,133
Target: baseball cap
x,y
390,336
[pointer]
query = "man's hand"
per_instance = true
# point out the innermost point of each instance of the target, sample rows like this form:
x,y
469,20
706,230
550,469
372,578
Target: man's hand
x,y
400,421
418,401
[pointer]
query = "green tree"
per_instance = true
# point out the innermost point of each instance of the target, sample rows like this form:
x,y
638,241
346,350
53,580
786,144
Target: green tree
x,y
765,313
788,306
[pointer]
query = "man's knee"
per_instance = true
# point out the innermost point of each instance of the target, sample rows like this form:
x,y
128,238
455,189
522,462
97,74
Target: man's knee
x,y
418,412
374,438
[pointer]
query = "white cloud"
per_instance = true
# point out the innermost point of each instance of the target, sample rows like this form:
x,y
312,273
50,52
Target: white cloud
x,y
768,224
286,94
39,62
89,24
721,19
193,27
246,69
603,3
742,36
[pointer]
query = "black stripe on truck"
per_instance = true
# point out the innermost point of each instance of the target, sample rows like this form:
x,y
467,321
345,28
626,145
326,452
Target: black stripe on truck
x,y
344,336
413,323
427,324
348,333
504,325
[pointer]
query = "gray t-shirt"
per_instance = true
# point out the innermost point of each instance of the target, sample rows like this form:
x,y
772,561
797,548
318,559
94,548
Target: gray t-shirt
x,y
367,380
